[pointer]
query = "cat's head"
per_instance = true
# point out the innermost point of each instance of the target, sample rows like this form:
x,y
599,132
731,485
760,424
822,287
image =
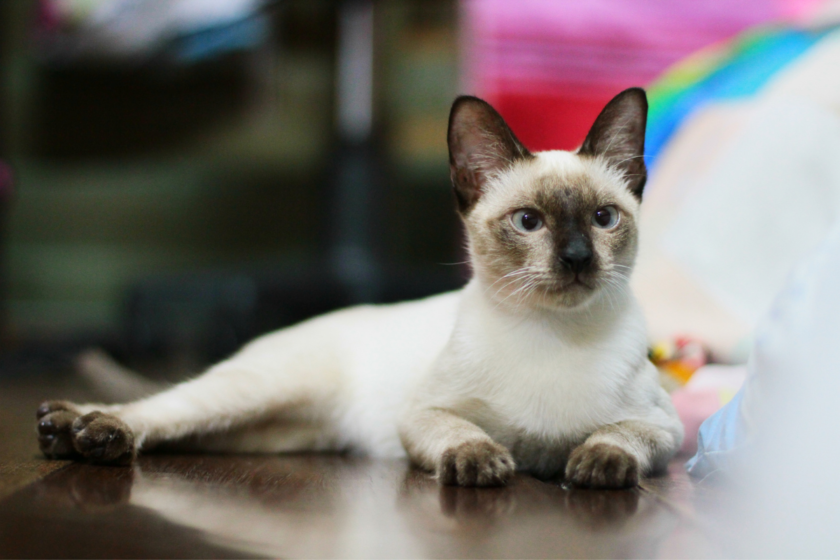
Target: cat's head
x,y
550,229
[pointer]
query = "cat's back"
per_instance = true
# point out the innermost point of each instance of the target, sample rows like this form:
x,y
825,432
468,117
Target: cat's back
x,y
356,364
365,335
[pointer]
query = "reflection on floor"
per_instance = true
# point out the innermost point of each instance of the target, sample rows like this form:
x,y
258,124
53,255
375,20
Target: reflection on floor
x,y
318,506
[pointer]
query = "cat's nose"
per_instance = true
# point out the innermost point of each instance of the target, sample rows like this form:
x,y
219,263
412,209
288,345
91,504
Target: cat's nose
x,y
576,259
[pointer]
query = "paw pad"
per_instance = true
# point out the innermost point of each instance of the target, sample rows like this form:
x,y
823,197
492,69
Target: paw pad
x,y
64,434
54,438
483,463
103,438
602,465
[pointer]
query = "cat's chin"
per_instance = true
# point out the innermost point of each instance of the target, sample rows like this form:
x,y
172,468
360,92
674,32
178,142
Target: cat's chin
x,y
570,296
560,294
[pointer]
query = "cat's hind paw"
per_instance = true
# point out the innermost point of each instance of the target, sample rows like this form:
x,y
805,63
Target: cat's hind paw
x,y
602,465
476,463
55,420
103,438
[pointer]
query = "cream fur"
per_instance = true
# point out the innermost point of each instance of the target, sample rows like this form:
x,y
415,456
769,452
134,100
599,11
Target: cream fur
x,y
439,372
467,383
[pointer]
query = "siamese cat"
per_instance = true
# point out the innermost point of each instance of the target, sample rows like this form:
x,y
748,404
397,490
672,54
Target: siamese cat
x,y
539,364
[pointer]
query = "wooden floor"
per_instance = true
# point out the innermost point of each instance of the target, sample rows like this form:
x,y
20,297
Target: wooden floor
x,y
330,506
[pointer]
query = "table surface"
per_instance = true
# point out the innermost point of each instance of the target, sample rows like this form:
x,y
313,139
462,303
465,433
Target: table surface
x,y
314,505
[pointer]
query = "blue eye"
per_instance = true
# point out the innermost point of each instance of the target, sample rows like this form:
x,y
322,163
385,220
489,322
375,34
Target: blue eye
x,y
605,217
527,221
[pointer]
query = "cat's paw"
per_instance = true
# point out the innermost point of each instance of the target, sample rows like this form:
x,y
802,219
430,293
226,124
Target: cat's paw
x,y
476,463
55,420
48,407
103,438
602,465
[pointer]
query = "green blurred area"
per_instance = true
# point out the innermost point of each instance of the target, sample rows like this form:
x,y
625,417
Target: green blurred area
x,y
122,173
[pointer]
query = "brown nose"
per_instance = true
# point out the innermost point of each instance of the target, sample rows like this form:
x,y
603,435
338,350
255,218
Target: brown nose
x,y
576,258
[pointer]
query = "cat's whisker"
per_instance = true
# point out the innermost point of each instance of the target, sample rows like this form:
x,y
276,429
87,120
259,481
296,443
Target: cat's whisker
x,y
614,288
614,271
609,293
512,281
533,289
618,277
513,273
629,158
513,276
512,294
529,284
616,284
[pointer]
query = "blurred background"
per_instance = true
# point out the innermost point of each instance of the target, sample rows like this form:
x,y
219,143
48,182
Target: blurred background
x,y
178,176
181,176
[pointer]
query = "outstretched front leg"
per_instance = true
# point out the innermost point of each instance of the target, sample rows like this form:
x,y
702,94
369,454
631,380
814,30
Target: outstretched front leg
x,y
228,396
617,455
456,450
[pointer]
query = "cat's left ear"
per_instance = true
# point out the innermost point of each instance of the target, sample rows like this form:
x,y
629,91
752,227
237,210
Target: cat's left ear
x,y
619,136
481,144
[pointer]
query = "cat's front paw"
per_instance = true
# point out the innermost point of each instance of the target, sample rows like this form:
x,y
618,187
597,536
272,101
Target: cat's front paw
x,y
103,439
55,419
476,463
602,465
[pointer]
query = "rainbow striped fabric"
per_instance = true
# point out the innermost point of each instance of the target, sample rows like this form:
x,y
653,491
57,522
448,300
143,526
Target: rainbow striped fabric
x,y
730,69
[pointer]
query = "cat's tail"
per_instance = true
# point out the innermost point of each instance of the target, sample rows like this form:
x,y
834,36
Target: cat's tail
x,y
112,381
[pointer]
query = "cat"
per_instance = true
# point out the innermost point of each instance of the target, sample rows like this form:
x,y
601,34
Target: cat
x,y
538,364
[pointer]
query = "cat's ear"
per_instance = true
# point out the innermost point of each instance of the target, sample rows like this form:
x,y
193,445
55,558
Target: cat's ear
x,y
619,136
480,145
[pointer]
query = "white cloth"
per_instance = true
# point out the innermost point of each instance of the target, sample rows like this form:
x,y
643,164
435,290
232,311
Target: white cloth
x,y
769,201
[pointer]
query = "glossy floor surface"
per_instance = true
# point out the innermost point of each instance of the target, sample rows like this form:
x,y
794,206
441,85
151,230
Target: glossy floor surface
x,y
327,506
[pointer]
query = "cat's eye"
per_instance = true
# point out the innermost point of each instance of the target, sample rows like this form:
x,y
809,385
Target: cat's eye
x,y
605,217
527,221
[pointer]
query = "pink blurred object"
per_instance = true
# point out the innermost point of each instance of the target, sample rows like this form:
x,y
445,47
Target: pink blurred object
x,y
549,66
710,388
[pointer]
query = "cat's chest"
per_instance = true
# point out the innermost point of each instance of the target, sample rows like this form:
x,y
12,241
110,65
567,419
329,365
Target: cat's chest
x,y
552,388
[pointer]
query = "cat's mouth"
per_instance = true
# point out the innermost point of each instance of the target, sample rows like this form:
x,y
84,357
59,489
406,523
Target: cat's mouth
x,y
578,281
563,285
565,292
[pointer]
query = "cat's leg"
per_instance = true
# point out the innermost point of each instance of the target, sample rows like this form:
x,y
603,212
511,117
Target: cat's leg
x,y
230,395
456,450
277,435
617,455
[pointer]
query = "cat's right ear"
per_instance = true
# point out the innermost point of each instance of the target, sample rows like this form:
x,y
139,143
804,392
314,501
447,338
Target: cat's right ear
x,y
481,144
618,135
